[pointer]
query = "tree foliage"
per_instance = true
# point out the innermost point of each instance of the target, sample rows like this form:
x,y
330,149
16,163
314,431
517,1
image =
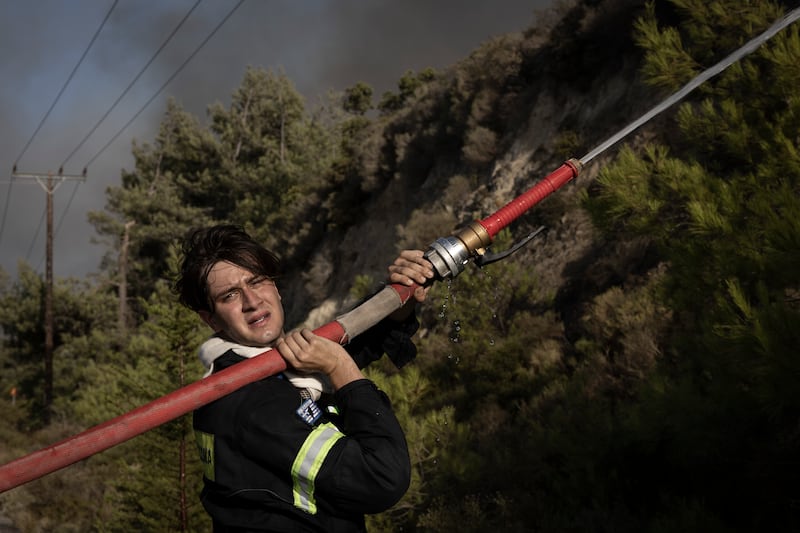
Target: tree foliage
x,y
152,480
721,205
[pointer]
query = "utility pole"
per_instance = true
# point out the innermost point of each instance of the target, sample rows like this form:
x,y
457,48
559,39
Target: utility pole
x,y
49,183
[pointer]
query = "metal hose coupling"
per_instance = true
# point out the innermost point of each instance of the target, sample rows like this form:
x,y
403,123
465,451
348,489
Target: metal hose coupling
x,y
450,255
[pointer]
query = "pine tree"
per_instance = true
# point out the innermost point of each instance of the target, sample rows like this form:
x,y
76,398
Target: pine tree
x,y
721,203
153,481
166,194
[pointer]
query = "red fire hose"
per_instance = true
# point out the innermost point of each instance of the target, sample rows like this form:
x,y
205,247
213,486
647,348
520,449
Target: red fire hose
x,y
219,384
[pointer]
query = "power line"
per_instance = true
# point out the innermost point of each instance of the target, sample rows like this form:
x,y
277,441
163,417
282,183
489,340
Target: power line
x,y
58,227
72,74
46,115
131,84
64,213
149,101
36,235
186,62
110,109
5,208
55,233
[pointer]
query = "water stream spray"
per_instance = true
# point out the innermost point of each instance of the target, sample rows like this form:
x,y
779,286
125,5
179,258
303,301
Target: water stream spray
x,y
448,255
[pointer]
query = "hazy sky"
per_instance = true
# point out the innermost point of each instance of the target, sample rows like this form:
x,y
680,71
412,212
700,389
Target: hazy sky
x,y
321,45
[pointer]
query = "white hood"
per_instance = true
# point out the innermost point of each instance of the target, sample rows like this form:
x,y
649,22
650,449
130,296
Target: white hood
x,y
215,346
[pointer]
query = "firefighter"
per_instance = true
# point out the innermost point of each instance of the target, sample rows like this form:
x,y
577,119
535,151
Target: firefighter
x,y
314,448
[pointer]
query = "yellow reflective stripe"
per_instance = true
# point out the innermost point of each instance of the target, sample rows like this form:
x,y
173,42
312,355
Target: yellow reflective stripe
x,y
308,462
205,445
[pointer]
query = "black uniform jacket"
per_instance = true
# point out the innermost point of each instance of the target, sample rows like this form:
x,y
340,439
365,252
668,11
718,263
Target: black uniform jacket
x,y
268,469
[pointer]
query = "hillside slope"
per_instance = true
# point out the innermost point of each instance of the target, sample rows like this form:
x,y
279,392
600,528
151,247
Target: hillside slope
x,y
556,95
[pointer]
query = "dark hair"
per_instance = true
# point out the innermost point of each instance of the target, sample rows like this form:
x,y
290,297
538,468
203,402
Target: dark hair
x,y
205,247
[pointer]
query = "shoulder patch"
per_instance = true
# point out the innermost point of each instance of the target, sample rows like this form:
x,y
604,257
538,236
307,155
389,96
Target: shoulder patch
x,y
309,412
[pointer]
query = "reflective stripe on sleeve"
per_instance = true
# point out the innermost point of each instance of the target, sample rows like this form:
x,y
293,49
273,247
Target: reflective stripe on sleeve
x,y
205,445
308,462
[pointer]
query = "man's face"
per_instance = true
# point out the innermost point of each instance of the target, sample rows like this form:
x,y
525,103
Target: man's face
x,y
247,307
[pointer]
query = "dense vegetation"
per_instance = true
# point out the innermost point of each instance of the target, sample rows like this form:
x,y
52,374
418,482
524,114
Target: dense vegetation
x,y
633,371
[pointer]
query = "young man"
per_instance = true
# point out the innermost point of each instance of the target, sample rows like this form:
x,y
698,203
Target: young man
x,y
313,448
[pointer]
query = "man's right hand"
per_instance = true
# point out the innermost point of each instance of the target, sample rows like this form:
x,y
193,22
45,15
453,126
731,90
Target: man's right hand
x,y
304,351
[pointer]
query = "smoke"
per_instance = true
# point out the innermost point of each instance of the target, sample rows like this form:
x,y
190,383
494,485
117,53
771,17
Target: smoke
x,y
320,45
